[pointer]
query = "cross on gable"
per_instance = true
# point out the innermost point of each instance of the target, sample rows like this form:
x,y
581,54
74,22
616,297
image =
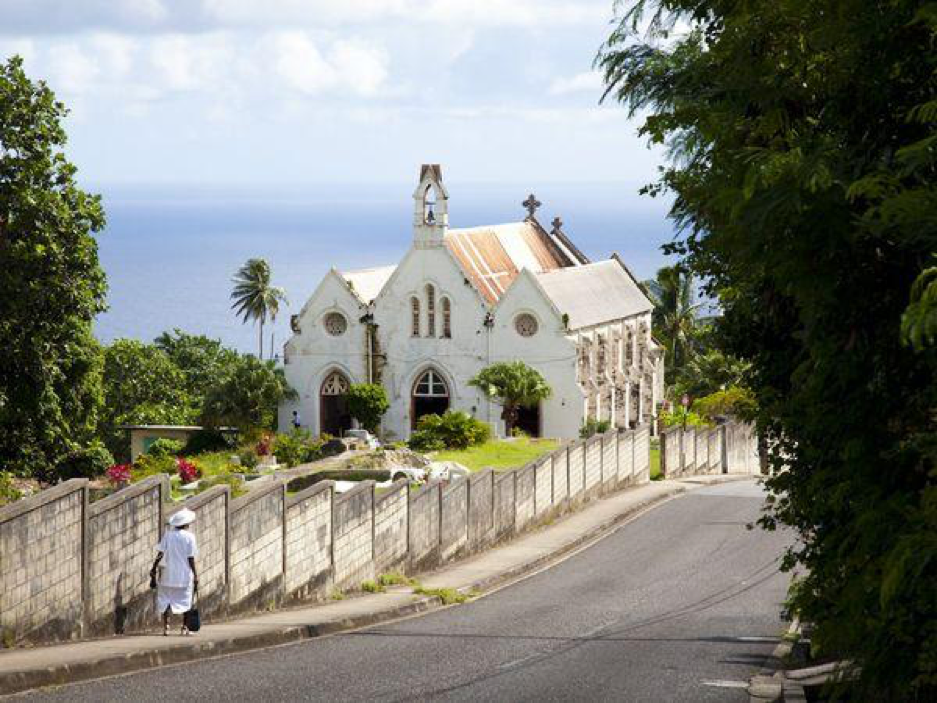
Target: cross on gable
x,y
557,224
531,204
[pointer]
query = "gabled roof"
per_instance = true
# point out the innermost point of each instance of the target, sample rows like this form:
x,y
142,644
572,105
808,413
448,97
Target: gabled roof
x,y
491,256
593,293
367,283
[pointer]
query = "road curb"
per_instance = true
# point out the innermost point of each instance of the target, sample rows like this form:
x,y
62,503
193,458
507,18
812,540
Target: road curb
x,y
195,650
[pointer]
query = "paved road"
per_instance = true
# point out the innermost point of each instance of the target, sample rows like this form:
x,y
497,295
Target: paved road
x,y
675,606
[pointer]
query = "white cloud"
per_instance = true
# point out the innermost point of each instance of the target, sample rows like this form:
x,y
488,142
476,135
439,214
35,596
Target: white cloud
x,y
586,82
350,65
72,69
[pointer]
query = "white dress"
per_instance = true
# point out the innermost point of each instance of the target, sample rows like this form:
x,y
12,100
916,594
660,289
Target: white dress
x,y
175,583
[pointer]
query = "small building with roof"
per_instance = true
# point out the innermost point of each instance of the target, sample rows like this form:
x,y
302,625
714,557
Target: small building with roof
x,y
462,299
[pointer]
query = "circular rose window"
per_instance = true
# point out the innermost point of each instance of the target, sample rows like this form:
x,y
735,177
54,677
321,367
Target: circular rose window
x,y
526,325
335,324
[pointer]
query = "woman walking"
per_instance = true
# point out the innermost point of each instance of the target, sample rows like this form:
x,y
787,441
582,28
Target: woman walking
x,y
179,579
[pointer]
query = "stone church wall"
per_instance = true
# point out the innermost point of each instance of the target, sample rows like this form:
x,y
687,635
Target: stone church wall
x,y
68,569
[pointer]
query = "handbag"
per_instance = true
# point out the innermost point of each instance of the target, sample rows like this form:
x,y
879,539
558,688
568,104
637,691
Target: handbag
x,y
191,618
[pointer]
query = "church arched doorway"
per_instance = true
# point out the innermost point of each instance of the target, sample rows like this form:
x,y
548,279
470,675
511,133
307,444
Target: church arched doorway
x,y
334,417
430,396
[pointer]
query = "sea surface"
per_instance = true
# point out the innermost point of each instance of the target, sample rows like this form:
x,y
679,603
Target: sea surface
x,y
170,252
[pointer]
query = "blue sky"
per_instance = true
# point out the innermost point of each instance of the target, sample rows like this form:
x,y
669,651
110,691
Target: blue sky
x,y
265,93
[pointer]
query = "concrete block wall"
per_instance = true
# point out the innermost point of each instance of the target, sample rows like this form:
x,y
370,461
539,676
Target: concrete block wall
x,y
42,565
123,531
576,456
68,568
728,448
543,487
453,519
559,466
353,536
593,450
524,488
308,542
211,535
504,504
481,515
390,527
423,532
256,528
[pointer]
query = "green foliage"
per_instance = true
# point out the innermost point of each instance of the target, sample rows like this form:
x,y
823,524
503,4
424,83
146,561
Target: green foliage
x,y
249,459
448,596
919,321
499,454
147,465
204,363
396,579
254,298
514,385
88,462
142,386
733,401
453,429
207,440
8,490
51,284
367,402
296,447
707,371
592,426
674,319
372,587
165,447
681,417
248,399
803,181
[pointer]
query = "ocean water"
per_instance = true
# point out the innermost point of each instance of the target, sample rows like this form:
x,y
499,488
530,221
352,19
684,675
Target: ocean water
x,y
170,252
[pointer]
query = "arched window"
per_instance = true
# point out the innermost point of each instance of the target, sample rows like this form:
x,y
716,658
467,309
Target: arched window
x,y
429,203
430,310
430,396
415,312
446,318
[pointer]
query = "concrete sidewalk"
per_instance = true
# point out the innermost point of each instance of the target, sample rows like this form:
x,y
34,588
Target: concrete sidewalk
x,y
23,669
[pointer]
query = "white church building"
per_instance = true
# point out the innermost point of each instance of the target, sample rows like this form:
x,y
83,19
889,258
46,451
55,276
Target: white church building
x,y
462,299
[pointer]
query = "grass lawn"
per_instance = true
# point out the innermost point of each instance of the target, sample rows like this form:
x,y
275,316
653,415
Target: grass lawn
x,y
499,454
655,464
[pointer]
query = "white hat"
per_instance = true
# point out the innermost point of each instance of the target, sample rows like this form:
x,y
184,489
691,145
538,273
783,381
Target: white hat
x,y
183,517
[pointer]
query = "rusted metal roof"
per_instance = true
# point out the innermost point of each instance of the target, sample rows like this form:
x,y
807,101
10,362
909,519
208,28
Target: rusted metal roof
x,y
492,256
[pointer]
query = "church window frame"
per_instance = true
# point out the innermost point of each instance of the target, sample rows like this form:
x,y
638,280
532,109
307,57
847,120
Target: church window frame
x,y
335,323
431,384
415,316
526,324
446,318
430,310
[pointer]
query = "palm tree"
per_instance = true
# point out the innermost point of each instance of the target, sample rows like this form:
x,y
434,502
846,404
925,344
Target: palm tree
x,y
254,298
674,318
513,385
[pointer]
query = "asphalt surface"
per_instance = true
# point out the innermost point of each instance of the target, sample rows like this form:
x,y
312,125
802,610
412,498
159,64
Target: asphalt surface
x,y
680,604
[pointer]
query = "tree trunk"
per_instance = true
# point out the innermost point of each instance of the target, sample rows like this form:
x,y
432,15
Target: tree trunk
x,y
509,415
260,352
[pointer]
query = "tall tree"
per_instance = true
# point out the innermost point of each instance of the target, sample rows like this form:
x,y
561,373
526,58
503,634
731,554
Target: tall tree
x,y
805,180
514,385
255,298
51,284
248,399
674,318
204,362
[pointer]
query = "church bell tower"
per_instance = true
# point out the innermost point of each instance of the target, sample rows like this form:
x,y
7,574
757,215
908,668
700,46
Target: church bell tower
x,y
430,208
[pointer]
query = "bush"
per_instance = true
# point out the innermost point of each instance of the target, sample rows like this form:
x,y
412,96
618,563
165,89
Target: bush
x,y
592,427
207,441
89,462
681,417
453,429
165,447
367,402
248,459
295,447
147,465
8,491
735,400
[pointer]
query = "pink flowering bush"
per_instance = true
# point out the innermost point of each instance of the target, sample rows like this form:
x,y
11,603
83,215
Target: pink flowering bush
x,y
188,471
118,474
